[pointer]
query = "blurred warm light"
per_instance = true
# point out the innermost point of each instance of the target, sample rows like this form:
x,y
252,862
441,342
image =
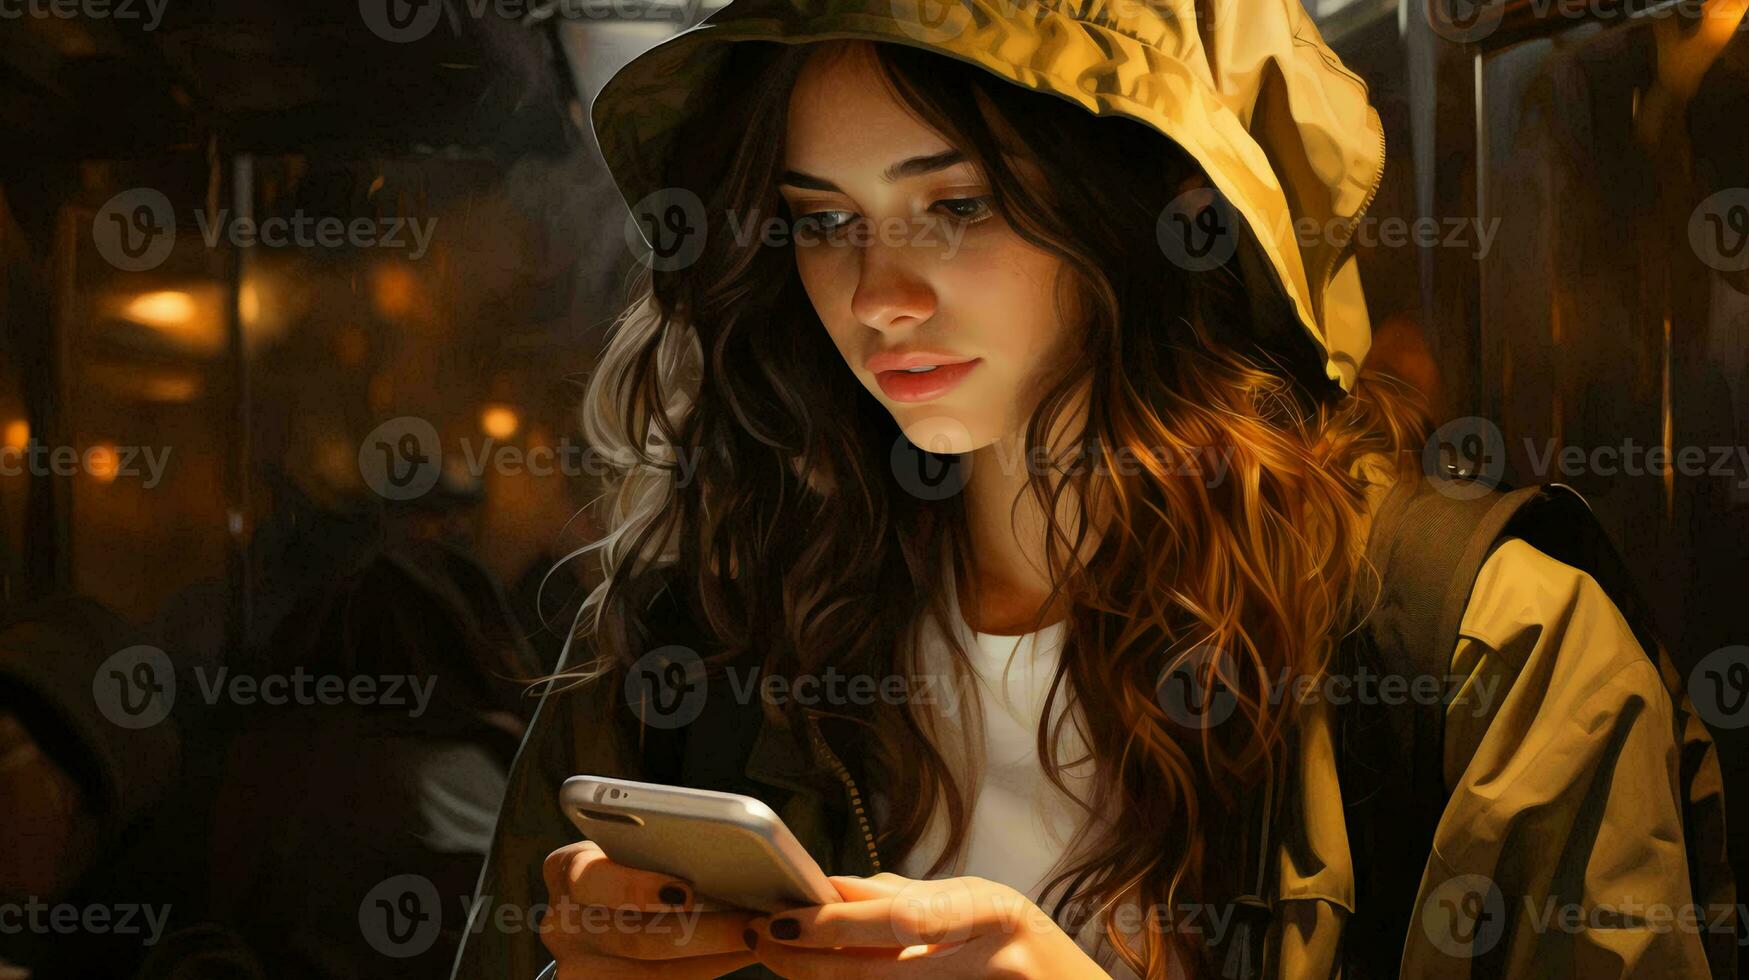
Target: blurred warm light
x,y
187,317
164,309
102,462
274,294
128,380
17,434
249,304
393,289
499,421
169,388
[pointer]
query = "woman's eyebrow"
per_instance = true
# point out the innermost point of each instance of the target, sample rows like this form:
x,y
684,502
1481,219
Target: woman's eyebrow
x,y
914,167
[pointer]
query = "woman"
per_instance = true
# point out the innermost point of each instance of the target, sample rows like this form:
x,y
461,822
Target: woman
x,y
1151,463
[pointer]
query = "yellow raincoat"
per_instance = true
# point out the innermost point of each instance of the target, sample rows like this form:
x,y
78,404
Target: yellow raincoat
x,y
1563,756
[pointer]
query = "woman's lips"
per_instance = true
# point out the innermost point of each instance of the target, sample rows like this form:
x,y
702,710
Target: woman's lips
x,y
904,386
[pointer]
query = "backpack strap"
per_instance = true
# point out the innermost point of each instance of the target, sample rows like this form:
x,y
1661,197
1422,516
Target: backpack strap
x,y
1428,543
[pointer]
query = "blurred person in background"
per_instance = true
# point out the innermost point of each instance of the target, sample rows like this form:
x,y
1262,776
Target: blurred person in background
x,y
321,803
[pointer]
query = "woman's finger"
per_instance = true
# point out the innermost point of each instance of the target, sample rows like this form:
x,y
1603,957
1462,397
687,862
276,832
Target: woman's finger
x,y
583,873
884,885
953,910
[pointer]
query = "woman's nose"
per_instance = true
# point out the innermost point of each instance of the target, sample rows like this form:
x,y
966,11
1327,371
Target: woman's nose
x,y
889,293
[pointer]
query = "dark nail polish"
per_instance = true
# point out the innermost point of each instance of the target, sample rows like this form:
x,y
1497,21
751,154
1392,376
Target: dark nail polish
x,y
785,928
751,938
672,895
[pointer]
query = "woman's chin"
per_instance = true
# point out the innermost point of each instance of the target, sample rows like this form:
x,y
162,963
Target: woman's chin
x,y
938,432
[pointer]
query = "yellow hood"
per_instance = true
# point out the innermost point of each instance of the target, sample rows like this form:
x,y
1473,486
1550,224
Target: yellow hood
x,y
1247,87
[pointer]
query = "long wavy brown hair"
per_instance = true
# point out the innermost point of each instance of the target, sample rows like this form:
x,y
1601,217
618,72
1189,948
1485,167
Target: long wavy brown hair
x,y
754,466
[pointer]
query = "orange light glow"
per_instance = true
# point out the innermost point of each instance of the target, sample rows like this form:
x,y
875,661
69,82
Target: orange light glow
x,y
393,290
499,421
188,318
165,309
17,434
102,462
173,388
249,305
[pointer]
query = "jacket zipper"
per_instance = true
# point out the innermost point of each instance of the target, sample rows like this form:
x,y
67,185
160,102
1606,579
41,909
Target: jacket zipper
x,y
843,774
1323,280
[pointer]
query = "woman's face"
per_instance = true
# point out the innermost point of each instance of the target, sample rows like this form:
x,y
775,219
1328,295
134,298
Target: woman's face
x,y
907,264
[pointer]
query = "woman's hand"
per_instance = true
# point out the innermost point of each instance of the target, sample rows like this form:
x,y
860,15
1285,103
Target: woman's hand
x,y
609,922
888,926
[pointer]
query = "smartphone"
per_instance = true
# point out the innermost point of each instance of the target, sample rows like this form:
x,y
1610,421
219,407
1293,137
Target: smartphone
x,y
734,849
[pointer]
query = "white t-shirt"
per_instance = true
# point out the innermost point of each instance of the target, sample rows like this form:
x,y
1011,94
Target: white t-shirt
x,y
1022,826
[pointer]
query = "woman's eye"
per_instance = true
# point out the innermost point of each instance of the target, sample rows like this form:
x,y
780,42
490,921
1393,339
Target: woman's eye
x,y
968,209
826,221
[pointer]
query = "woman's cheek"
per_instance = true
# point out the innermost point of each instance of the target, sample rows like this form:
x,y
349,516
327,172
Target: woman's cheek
x,y
829,292
815,271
